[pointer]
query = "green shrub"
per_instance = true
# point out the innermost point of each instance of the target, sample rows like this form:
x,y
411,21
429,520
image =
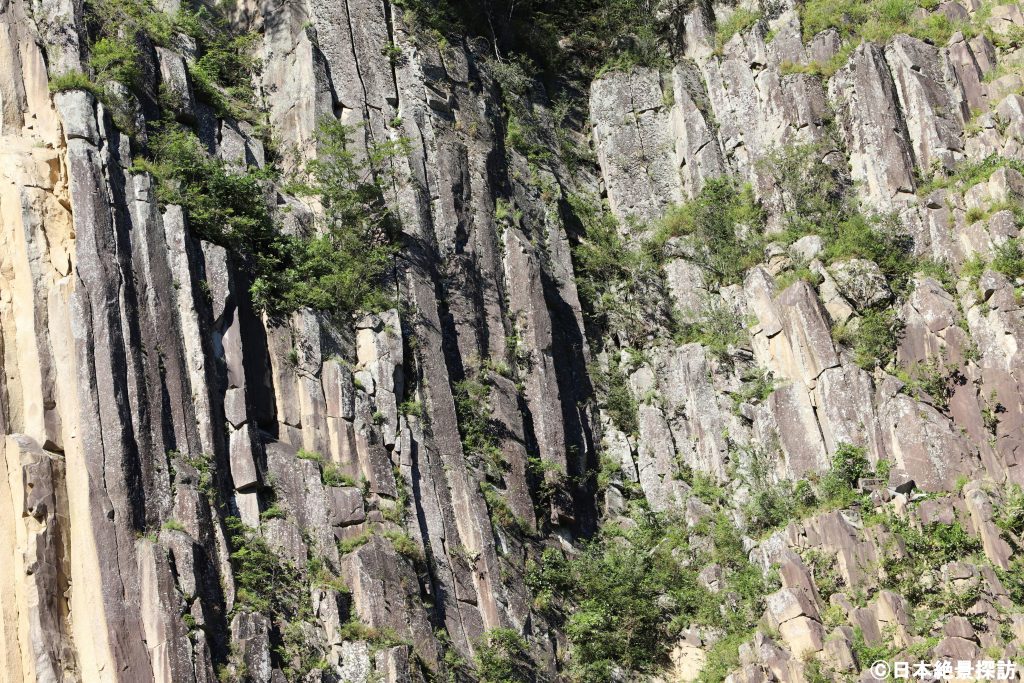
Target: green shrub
x,y
349,544
816,201
502,656
825,571
75,80
877,20
849,464
626,595
724,230
620,284
757,386
479,433
499,510
223,74
275,511
723,657
876,338
879,238
332,476
116,59
1013,580
173,525
740,20
932,378
618,397
618,620
265,582
344,268
1008,260
340,270
718,328
931,546
1010,513
813,194
969,172
404,545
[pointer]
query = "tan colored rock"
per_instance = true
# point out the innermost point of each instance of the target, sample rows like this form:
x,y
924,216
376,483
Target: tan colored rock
x,y
996,549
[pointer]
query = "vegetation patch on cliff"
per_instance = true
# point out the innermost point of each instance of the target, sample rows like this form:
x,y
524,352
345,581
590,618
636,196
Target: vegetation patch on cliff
x,y
340,268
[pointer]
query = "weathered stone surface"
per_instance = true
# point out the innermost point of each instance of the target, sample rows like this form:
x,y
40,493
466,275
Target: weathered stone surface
x,y
861,282
632,131
931,100
140,386
346,506
867,105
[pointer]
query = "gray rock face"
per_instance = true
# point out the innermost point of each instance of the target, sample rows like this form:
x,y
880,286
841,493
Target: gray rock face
x,y
632,131
867,105
861,282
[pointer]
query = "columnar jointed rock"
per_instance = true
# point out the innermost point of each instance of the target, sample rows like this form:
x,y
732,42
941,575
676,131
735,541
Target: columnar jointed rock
x,y
145,401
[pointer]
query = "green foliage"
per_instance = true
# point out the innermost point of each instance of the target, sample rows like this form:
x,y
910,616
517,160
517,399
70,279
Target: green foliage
x,y
1010,513
404,545
586,26
116,59
874,340
275,511
627,594
223,74
349,544
1013,580
613,387
299,652
706,488
331,475
502,656
849,464
411,408
719,328
479,432
75,80
618,620
345,267
822,69
814,197
723,658
223,206
315,456
738,21
340,270
771,504
265,582
397,513
499,510
926,548
866,654
877,20
879,238
222,70
796,274
173,525
825,571
933,378
723,227
816,201
620,284
968,173
757,386
1009,260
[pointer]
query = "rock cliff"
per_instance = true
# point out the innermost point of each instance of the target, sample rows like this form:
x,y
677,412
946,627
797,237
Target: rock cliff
x,y
749,310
